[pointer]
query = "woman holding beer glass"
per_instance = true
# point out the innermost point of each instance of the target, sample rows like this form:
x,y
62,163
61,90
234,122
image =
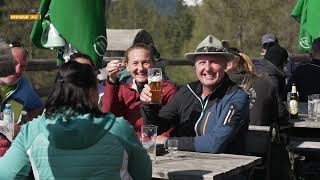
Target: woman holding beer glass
x,y
124,99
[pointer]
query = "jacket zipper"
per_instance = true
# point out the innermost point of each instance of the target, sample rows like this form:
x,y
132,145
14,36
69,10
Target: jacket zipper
x,y
202,111
227,119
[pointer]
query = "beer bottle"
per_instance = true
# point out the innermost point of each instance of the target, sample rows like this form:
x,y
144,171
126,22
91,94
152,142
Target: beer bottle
x,y
293,103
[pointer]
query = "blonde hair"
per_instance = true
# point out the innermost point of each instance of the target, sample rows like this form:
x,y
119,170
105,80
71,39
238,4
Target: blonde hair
x,y
247,66
247,63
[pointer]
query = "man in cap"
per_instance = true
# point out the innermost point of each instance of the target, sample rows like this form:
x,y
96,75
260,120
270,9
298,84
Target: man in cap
x,y
273,52
209,115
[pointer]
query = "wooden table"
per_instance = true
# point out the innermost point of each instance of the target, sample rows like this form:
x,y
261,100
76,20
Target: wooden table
x,y
193,166
305,123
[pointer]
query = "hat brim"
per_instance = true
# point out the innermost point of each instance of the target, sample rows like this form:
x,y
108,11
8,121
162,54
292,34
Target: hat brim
x,y
268,41
191,56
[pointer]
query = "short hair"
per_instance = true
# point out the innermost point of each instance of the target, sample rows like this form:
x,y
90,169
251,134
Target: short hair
x,y
75,56
316,46
80,55
138,46
74,86
18,44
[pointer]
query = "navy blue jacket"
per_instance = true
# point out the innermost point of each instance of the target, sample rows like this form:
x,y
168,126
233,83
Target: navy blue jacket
x,y
223,127
215,124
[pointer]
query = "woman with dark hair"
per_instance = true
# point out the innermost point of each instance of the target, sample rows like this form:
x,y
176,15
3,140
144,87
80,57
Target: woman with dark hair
x,y
73,139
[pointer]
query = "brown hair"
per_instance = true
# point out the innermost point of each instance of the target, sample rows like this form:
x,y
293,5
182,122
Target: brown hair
x,y
247,63
138,46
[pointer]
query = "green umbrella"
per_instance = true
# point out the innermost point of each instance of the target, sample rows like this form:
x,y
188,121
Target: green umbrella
x,y
80,22
307,13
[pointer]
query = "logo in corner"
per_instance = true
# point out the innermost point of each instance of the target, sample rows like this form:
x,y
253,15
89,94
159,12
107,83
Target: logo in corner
x,y
100,45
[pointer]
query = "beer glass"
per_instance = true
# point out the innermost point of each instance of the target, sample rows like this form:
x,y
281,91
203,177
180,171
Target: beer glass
x,y
154,81
148,140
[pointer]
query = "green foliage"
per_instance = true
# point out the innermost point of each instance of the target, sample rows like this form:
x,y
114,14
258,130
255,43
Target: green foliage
x,y
243,22
169,32
20,29
181,74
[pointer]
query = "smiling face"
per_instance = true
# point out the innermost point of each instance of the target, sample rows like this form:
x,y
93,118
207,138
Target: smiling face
x,y
210,70
139,61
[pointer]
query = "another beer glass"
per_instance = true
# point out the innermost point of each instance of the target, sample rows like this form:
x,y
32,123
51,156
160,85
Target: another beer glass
x,y
148,140
154,81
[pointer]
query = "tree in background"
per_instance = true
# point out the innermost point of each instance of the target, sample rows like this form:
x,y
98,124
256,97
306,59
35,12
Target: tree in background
x,y
169,31
243,22
20,29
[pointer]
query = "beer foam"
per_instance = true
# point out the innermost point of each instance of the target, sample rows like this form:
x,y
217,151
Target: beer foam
x,y
154,79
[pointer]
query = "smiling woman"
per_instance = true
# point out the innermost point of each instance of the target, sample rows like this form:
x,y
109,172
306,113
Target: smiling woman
x,y
124,99
138,60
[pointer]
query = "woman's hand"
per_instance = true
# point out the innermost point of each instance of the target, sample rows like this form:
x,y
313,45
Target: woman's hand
x,y
145,95
113,68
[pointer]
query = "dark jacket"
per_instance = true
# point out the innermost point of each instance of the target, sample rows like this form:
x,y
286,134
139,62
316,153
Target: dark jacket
x,y
306,77
263,99
219,122
277,55
277,77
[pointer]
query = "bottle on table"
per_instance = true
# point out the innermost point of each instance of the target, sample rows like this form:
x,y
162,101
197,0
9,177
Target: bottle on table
x,y
293,103
8,121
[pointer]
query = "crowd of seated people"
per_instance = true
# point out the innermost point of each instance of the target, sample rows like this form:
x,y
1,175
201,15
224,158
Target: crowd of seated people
x,y
211,114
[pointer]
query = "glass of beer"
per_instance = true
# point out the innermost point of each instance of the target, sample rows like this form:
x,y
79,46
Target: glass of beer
x,y
154,81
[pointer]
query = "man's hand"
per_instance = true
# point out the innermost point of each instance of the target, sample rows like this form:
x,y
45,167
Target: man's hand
x,y
145,95
113,68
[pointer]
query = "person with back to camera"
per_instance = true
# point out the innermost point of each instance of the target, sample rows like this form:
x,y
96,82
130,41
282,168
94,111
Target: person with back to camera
x,y
271,64
73,139
279,55
123,99
209,115
263,94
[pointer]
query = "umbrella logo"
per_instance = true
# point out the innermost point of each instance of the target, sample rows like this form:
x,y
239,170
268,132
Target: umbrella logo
x,y
100,45
304,43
